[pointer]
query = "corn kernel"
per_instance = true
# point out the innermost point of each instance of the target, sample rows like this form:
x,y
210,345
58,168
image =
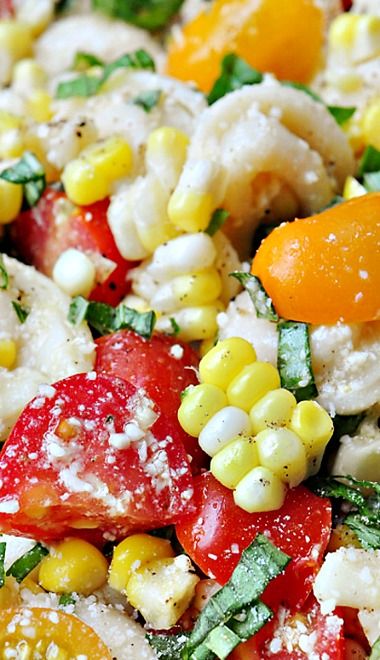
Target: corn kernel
x,y
251,384
73,565
8,353
15,39
222,427
225,361
190,211
352,188
343,31
206,346
10,201
273,410
233,462
39,106
166,153
134,552
27,75
195,323
197,289
282,452
36,14
343,537
199,405
162,590
313,425
260,490
83,185
74,273
371,123
11,137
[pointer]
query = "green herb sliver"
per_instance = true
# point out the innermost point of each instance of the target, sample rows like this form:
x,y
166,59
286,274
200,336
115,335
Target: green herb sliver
x,y
66,599
375,651
83,61
262,302
147,14
106,319
25,564
21,312
235,72
294,360
370,161
3,547
148,100
29,172
217,221
4,277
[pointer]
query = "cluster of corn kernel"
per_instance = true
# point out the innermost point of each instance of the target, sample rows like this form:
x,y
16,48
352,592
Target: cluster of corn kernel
x,y
260,439
186,282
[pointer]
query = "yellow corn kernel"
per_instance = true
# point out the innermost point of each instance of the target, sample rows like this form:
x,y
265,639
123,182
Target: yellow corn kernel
x,y
89,177
282,452
9,594
39,107
8,353
134,552
260,490
343,30
15,39
11,138
343,537
73,565
371,123
190,211
162,590
198,288
37,15
352,188
195,323
27,74
273,410
313,425
10,201
251,384
233,462
206,346
345,80
199,404
166,153
225,361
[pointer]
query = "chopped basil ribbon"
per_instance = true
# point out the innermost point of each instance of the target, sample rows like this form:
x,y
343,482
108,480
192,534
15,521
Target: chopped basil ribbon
x,y
175,327
86,85
25,564
3,547
262,302
30,173
370,161
22,312
341,114
346,424
364,516
106,319
148,100
235,72
66,599
147,14
83,61
234,613
4,277
302,88
294,360
217,221
375,651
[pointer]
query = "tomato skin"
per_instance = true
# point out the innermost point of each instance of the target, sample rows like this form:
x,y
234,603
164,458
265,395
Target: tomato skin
x,y
7,9
42,233
142,485
301,528
325,268
151,365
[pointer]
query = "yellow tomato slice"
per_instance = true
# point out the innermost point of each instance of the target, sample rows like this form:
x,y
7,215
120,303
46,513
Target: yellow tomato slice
x,y
50,633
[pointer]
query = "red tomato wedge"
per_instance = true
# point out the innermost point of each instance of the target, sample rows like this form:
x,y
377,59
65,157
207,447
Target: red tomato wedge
x,y
296,636
218,531
6,9
42,233
163,366
79,457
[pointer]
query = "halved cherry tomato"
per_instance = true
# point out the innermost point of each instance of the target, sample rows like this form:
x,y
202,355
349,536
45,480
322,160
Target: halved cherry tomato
x,y
42,233
284,38
296,636
79,458
218,531
7,9
325,268
40,628
163,366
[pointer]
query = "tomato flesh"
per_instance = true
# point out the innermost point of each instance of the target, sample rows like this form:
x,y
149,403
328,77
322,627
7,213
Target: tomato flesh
x,y
69,465
42,233
218,531
163,366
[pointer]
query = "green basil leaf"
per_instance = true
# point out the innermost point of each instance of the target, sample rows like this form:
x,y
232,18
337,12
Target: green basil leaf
x,y
29,172
147,14
368,535
370,161
175,326
84,85
346,424
262,302
22,312
235,72
341,114
303,88
294,360
83,61
106,319
371,181
78,310
168,646
25,564
375,651
3,547
217,221
66,599
4,277
148,100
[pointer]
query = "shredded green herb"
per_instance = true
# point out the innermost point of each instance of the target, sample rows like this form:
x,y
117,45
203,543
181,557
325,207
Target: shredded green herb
x,y
106,319
4,277
217,221
66,599
375,651
3,547
147,14
25,564
84,61
235,72
294,360
370,161
341,114
148,100
22,312
175,327
29,172
262,302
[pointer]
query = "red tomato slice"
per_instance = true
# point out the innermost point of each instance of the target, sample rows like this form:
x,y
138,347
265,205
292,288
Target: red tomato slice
x,y
42,233
296,636
6,9
61,468
217,533
163,366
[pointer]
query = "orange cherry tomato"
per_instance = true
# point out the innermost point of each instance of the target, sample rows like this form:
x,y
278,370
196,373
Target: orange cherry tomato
x,y
37,630
325,268
281,36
